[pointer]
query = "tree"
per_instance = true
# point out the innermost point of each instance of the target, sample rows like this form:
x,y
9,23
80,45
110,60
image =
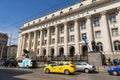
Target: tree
x,y
13,55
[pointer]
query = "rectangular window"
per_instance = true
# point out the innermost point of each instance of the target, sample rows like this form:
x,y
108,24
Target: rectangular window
x,y
72,38
115,32
62,29
62,39
45,42
53,31
38,43
112,17
53,41
38,34
45,33
71,27
98,34
83,24
96,21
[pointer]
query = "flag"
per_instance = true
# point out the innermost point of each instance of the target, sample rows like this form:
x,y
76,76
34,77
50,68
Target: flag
x,y
84,39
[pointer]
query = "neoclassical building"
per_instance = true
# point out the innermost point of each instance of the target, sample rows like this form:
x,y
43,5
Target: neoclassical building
x,y
60,33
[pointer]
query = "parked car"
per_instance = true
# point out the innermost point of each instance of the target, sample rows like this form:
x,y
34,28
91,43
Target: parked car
x,y
60,67
2,62
83,66
27,63
11,62
114,70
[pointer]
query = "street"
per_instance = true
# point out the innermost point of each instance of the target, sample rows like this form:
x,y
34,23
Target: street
x,y
38,74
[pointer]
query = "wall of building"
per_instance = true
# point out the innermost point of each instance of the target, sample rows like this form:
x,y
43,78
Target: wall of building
x,y
101,18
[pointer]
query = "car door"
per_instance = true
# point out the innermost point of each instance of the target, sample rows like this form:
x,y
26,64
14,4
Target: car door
x,y
54,68
79,66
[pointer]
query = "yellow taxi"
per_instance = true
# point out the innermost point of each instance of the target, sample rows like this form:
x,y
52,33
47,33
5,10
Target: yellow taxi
x,y
60,67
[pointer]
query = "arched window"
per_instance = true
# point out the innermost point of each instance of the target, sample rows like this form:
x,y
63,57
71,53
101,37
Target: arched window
x,y
81,5
45,18
70,9
53,15
100,47
117,45
61,12
39,20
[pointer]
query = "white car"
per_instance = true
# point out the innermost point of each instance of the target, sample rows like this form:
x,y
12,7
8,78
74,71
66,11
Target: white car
x,y
83,66
26,63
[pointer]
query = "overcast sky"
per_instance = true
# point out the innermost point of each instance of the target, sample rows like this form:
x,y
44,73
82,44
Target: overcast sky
x,y
14,13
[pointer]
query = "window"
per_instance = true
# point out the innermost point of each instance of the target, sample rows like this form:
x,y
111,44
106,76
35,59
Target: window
x,y
32,44
72,38
100,48
45,32
93,1
117,45
62,40
62,29
38,43
115,32
32,34
45,42
28,24
39,20
71,27
38,34
45,18
53,15
61,12
112,17
33,22
70,9
53,31
83,24
37,51
96,21
98,34
53,41
81,5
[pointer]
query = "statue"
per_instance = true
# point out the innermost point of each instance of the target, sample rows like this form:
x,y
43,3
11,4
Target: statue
x,y
94,46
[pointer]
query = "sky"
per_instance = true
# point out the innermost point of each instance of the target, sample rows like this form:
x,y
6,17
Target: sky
x,y
15,13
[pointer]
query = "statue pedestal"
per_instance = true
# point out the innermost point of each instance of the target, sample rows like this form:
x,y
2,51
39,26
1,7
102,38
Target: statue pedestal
x,y
95,58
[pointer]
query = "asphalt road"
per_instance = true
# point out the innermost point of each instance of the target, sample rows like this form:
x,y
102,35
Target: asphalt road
x,y
38,74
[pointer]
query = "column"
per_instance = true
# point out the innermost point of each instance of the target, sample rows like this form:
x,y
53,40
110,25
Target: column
x,y
56,40
19,45
29,41
48,41
65,39
35,42
23,43
41,40
89,32
76,33
106,35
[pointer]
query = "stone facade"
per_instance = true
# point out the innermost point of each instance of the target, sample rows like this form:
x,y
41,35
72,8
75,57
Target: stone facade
x,y
60,33
3,45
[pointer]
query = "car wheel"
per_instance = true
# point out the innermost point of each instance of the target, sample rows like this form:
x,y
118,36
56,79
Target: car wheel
x,y
115,73
86,70
47,71
66,72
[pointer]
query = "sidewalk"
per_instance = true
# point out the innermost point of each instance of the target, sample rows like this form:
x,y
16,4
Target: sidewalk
x,y
102,68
